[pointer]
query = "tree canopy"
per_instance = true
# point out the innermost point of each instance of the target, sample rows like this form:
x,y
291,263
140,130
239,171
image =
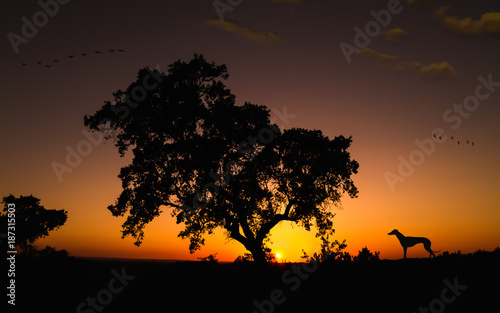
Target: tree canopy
x,y
32,220
216,164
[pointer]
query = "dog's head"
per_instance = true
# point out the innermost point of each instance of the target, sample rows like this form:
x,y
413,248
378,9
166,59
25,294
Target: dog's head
x,y
394,232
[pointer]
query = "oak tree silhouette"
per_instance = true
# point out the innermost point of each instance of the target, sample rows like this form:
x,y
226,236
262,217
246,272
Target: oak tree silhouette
x,y
216,164
32,220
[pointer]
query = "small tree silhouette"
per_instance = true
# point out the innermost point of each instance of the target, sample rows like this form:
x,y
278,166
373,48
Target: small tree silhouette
x,y
32,220
216,164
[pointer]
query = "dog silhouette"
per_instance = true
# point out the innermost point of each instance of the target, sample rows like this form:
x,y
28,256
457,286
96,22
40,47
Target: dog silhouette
x,y
407,242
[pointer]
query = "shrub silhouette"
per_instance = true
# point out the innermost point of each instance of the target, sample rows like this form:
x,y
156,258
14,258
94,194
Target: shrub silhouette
x,y
246,257
330,251
365,255
212,258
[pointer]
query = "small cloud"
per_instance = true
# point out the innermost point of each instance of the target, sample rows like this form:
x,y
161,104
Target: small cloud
x,y
436,70
244,31
443,69
395,34
489,23
377,55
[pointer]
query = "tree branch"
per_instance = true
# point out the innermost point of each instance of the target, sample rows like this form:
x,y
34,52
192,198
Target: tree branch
x,y
266,228
234,231
287,209
246,228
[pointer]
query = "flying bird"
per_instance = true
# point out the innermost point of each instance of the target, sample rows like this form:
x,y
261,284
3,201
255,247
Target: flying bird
x,y
120,50
458,142
467,141
439,137
451,137
97,51
84,54
48,65
39,63
71,56
111,50
24,64
55,61
473,143
434,135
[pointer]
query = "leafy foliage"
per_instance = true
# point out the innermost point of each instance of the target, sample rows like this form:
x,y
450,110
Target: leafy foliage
x,y
216,164
32,220
365,255
212,258
47,252
246,257
330,251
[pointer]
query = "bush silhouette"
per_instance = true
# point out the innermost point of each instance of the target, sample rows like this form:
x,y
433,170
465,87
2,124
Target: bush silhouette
x,y
365,255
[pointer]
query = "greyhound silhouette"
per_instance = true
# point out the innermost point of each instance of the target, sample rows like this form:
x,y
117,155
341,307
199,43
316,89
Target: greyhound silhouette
x,y
411,241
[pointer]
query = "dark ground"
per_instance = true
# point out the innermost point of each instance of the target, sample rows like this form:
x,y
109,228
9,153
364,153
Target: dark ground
x,y
61,284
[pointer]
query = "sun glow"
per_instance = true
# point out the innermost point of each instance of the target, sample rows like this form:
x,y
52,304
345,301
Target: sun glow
x,y
278,255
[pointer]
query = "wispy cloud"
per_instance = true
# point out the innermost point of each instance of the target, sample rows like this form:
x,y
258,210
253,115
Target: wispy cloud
x,y
382,57
395,34
244,32
436,70
489,23
443,69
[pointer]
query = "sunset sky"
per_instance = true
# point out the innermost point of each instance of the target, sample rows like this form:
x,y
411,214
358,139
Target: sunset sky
x,y
428,68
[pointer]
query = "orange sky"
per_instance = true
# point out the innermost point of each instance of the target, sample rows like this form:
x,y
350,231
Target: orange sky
x,y
439,207
438,201
451,198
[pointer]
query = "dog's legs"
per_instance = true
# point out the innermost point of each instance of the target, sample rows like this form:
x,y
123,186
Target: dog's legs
x,y
427,247
404,248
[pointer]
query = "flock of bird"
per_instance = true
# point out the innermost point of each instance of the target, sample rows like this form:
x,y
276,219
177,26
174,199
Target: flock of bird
x,y
469,142
48,65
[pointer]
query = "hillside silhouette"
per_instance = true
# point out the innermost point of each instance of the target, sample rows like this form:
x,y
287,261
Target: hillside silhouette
x,y
59,283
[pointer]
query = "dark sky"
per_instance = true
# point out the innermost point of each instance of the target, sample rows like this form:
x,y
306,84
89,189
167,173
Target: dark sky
x,y
280,54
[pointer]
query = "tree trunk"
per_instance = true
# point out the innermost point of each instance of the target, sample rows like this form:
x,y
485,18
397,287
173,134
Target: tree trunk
x,y
258,254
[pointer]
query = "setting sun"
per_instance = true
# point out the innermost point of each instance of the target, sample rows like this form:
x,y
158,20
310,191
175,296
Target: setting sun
x,y
278,256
